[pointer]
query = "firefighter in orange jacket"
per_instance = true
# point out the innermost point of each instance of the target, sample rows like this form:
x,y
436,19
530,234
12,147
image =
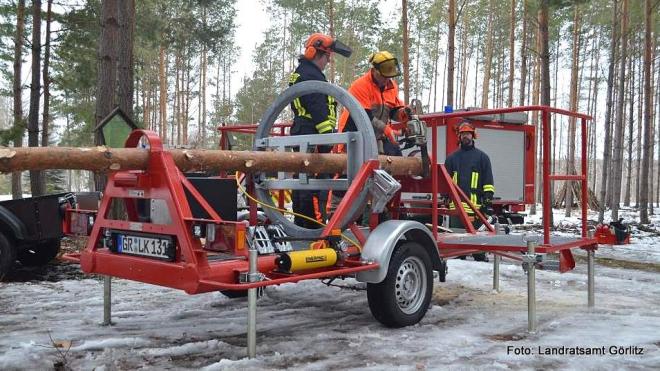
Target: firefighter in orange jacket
x,y
378,93
314,114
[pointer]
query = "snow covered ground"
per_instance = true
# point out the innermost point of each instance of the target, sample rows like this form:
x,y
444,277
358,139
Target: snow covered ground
x,y
313,327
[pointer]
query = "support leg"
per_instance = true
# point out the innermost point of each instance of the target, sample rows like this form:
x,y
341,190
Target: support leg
x,y
590,274
496,273
531,287
107,299
252,307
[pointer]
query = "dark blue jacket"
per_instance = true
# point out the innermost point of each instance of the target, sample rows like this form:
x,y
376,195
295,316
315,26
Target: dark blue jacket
x,y
313,113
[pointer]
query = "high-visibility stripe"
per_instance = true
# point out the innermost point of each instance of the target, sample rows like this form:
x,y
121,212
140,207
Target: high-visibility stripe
x,y
326,126
489,188
301,110
454,177
475,180
294,77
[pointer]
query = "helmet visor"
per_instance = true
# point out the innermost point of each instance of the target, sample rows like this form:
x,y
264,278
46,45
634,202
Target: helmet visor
x,y
389,68
341,48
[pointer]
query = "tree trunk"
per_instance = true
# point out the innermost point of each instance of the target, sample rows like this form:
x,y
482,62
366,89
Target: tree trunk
x,y
114,159
36,183
545,68
536,86
523,55
617,163
512,50
19,124
607,150
648,98
46,78
573,105
631,114
406,57
125,54
162,104
451,23
488,58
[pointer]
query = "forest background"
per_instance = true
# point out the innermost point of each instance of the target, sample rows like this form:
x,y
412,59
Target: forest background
x,y
172,66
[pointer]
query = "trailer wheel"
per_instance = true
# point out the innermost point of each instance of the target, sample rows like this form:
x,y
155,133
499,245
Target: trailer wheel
x,y
7,256
403,297
40,253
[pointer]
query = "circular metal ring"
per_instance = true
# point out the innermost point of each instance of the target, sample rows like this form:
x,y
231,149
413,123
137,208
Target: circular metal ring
x,y
368,146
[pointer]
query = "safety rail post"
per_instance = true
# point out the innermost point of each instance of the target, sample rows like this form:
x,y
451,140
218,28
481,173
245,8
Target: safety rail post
x,y
531,286
585,194
590,278
252,305
547,207
107,301
434,179
496,273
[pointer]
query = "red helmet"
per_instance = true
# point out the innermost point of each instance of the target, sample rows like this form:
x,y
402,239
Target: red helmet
x,y
466,127
326,44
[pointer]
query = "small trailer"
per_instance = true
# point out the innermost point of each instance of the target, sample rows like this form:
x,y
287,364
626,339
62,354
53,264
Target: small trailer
x,y
172,233
31,229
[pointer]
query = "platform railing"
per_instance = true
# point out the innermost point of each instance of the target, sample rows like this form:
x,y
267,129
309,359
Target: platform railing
x,y
546,154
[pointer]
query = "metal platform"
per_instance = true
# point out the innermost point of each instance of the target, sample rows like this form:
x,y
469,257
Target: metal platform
x,y
509,242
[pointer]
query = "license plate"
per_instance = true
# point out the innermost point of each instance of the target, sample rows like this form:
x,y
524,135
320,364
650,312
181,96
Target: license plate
x,y
159,247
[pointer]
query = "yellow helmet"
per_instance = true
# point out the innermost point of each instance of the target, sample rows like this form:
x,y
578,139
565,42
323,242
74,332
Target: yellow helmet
x,y
385,63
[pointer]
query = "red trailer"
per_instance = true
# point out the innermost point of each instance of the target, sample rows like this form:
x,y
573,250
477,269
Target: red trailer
x,y
172,234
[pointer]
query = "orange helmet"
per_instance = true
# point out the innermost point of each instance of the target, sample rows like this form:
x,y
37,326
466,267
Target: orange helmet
x,y
466,127
326,44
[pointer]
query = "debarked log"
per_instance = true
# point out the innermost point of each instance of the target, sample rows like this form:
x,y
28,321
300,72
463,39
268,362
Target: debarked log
x,y
104,159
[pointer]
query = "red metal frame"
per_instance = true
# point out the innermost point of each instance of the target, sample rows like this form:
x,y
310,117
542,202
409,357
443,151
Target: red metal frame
x,y
191,270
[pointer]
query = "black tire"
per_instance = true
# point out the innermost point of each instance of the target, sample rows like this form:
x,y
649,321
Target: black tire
x,y
40,253
480,257
391,303
7,256
234,294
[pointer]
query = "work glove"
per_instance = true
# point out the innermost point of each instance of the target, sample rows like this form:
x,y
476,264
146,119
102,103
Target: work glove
x,y
487,204
391,134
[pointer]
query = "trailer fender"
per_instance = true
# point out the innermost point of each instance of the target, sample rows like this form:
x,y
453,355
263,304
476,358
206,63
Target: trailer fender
x,y
10,225
382,241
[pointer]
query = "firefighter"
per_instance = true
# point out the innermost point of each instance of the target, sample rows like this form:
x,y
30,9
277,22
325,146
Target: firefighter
x,y
470,169
378,93
314,114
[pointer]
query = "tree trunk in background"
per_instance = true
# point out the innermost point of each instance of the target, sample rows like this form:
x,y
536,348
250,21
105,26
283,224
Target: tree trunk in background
x,y
573,106
488,58
46,78
36,183
648,98
162,101
107,71
536,87
631,115
19,124
545,68
512,51
406,57
607,151
465,65
125,54
331,23
451,36
523,55
617,163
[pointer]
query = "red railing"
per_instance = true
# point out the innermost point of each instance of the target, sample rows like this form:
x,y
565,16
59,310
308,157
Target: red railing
x,y
547,145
